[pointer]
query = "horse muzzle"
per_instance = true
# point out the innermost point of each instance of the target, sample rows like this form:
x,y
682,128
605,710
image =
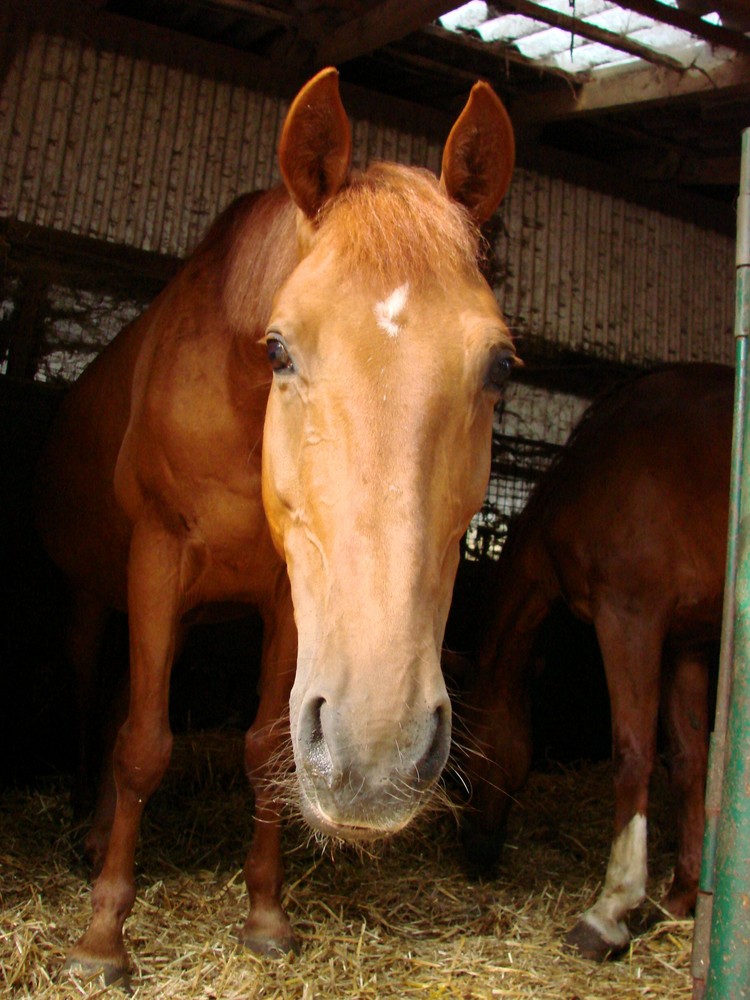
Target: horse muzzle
x,y
363,778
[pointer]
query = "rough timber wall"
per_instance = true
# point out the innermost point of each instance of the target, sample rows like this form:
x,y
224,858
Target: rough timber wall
x,y
117,139
598,274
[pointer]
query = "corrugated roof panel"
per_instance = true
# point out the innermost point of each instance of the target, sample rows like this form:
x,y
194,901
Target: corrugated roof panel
x,y
467,16
509,28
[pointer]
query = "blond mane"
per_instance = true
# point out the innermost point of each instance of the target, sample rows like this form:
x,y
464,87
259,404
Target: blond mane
x,y
397,221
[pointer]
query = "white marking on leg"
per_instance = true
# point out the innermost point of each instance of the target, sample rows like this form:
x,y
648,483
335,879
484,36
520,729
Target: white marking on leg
x,y
389,312
624,885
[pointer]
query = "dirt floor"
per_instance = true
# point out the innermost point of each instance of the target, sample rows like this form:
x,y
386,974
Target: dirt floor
x,y
404,924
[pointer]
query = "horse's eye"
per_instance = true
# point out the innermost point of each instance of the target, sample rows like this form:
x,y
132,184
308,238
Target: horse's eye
x,y
502,364
278,355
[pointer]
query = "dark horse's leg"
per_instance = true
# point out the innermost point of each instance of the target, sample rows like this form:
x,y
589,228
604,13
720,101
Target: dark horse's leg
x,y
267,929
686,721
494,753
631,647
156,570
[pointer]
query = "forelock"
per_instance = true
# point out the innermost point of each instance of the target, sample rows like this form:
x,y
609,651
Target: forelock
x,y
398,221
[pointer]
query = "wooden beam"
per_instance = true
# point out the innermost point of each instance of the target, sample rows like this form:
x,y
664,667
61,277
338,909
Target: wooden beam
x,y
390,21
612,91
718,170
663,196
438,70
31,250
248,8
713,33
503,53
593,33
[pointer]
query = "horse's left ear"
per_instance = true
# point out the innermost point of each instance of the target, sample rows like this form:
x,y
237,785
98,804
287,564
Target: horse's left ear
x,y
480,154
316,144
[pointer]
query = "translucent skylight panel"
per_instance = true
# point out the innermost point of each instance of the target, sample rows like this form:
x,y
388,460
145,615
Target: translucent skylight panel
x,y
590,56
582,9
619,20
553,47
638,27
547,42
508,28
469,15
665,37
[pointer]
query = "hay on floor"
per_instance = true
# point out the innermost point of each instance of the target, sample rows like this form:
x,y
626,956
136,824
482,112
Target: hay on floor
x,y
404,924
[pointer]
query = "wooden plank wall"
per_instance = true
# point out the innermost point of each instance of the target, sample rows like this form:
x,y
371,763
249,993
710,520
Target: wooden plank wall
x,y
601,275
144,148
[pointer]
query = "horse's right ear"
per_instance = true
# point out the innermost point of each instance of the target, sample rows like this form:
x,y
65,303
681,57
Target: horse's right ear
x,y
316,144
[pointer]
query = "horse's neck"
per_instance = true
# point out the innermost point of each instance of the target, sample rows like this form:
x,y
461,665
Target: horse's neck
x,y
262,254
223,297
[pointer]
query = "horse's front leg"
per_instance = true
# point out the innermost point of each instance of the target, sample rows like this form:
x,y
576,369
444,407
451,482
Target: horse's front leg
x,y
115,708
97,838
144,743
631,647
267,929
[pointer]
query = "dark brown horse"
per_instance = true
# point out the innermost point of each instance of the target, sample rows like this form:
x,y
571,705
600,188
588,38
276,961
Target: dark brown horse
x,y
629,528
301,421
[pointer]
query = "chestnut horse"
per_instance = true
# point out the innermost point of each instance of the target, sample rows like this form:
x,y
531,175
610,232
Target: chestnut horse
x,y
629,528
301,421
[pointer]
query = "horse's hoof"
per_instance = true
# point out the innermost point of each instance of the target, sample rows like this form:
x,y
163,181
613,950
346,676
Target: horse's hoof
x,y
482,852
680,903
272,938
109,973
590,943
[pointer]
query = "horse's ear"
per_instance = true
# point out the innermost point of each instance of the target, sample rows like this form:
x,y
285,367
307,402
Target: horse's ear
x,y
316,144
480,154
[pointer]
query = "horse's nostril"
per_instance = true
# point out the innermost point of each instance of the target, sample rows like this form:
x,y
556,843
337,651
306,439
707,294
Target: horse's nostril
x,y
432,762
312,739
345,763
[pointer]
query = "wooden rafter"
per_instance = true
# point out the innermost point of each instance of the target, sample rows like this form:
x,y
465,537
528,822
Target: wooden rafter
x,y
504,53
390,21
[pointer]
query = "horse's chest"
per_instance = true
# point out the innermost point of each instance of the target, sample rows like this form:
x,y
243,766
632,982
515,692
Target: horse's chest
x,y
225,525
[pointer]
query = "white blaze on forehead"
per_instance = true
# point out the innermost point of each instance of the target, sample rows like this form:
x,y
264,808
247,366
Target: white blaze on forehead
x,y
389,312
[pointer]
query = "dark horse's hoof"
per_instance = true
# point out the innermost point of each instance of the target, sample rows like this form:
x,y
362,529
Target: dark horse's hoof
x,y
110,973
482,852
585,939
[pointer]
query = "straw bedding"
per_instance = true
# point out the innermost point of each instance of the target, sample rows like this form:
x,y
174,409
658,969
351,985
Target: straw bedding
x,y
405,923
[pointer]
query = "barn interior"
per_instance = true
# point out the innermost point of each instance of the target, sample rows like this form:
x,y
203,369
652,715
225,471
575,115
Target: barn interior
x,y
126,126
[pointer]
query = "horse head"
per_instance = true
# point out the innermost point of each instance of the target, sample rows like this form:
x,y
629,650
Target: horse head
x,y
389,355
